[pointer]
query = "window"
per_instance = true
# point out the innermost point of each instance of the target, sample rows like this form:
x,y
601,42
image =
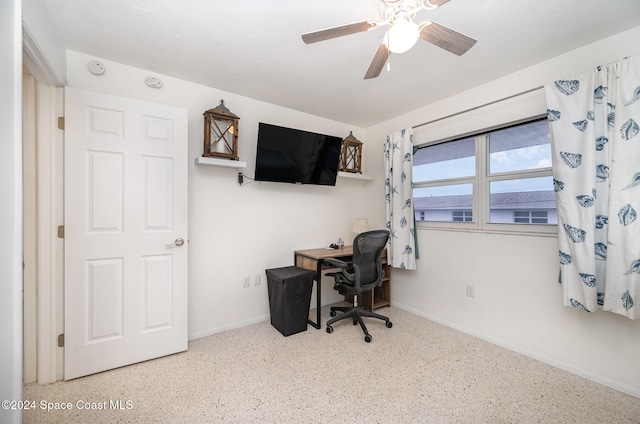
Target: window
x,y
501,177
438,203
443,177
462,216
530,217
507,197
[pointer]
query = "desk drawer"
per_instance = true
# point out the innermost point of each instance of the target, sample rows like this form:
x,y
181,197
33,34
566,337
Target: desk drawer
x,y
306,263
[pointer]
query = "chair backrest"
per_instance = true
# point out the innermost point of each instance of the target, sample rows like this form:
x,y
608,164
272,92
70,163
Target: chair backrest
x,y
367,248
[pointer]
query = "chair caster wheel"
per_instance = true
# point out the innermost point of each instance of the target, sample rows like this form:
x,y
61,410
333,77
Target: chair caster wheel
x,y
355,322
332,313
389,324
368,338
329,329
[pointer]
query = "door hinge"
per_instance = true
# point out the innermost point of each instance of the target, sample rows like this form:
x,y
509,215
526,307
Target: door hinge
x,y
61,122
61,340
60,231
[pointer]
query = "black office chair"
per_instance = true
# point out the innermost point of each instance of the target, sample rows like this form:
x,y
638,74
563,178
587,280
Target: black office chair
x,y
362,274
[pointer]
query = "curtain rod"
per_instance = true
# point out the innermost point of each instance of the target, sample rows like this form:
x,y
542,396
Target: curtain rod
x,y
477,107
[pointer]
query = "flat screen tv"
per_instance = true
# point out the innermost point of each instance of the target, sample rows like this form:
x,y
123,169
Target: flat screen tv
x,y
294,156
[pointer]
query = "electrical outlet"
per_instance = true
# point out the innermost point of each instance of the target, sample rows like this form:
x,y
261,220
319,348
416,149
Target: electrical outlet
x,y
256,280
246,282
471,290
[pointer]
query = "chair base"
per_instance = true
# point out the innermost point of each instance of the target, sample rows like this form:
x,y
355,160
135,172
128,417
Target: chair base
x,y
356,313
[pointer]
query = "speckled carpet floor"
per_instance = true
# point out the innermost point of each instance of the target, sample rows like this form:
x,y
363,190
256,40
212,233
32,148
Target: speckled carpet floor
x,y
416,372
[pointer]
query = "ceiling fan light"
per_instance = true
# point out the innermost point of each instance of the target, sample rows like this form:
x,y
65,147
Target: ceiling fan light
x,y
401,36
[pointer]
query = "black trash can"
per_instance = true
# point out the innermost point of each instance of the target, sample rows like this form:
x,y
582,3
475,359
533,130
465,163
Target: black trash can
x,y
289,298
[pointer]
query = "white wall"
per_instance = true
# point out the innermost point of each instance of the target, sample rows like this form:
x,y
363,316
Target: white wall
x,y
237,231
517,302
10,208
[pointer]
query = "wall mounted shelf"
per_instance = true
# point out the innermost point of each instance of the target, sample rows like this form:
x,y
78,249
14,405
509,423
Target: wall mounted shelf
x,y
355,176
223,163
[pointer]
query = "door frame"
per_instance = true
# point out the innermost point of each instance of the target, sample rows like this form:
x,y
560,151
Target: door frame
x,y
50,248
29,229
47,299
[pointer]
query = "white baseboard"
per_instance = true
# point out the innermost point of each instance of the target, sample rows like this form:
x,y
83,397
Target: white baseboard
x,y
632,391
224,328
256,320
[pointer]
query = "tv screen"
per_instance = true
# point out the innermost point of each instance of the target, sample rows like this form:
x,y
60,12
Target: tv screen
x,y
294,156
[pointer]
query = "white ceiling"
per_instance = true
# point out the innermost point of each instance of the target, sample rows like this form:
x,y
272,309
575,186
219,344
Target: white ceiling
x,y
253,47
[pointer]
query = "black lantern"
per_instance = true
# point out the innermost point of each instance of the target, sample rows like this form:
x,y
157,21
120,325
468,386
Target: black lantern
x,y
221,133
351,155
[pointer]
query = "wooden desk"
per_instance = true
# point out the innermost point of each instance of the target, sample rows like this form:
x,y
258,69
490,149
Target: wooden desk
x,y
313,259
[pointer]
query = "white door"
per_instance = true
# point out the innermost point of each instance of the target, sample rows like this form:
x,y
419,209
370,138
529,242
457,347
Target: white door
x,y
125,219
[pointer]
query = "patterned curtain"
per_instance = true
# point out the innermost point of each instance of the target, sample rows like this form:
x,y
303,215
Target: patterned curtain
x,y
398,158
594,121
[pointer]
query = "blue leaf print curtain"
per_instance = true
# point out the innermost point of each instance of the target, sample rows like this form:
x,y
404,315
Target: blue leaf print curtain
x,y
398,158
594,118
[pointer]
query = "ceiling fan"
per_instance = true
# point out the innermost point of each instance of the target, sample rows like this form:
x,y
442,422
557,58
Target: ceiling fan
x,y
402,33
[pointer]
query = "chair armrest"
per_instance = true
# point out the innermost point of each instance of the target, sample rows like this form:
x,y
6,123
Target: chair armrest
x,y
337,263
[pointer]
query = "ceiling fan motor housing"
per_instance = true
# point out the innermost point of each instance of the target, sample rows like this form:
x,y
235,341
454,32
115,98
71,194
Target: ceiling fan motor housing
x,y
390,9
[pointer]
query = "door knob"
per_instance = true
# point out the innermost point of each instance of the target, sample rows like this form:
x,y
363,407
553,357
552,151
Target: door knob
x,y
179,242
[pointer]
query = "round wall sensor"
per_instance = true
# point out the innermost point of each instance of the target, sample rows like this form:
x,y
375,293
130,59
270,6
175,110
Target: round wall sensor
x,y
153,82
95,67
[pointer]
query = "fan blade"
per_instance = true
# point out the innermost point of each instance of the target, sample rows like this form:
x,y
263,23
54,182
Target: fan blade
x,y
379,59
327,34
445,38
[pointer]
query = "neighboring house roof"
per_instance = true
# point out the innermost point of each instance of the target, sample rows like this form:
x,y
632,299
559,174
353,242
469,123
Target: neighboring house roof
x,y
517,200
